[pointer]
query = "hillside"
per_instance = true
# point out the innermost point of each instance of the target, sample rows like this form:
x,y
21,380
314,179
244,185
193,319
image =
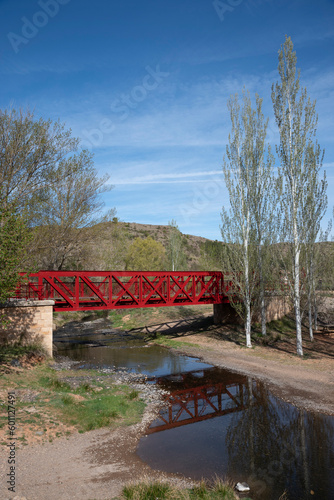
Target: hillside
x,y
108,246
114,239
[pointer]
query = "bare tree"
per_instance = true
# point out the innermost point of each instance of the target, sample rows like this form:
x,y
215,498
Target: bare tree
x,y
29,150
67,206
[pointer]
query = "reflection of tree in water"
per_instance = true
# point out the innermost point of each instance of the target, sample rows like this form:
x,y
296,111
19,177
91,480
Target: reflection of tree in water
x,y
283,447
319,432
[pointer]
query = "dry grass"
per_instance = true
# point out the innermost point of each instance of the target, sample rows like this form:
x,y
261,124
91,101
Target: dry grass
x,y
148,490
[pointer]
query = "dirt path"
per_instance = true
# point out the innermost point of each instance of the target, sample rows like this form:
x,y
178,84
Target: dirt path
x,y
94,465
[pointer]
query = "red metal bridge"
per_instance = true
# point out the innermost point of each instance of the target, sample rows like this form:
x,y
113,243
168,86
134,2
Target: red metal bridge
x,y
97,290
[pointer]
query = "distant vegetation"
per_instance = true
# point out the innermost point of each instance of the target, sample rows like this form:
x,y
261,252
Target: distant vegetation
x,y
124,246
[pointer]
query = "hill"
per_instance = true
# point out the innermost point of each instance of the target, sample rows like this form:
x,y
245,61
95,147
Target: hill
x,y
108,245
115,238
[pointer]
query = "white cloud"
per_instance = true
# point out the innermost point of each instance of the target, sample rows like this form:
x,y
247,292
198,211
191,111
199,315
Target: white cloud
x,y
167,178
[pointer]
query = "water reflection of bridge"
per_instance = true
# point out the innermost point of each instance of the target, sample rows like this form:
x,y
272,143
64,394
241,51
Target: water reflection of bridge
x,y
201,398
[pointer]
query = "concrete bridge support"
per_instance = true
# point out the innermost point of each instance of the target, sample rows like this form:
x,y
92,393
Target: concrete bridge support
x,y
28,321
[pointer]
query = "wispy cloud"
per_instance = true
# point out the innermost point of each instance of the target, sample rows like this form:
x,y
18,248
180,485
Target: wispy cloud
x,y
167,178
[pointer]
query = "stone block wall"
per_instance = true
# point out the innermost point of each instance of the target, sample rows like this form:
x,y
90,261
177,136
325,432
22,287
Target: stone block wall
x,y
28,321
277,307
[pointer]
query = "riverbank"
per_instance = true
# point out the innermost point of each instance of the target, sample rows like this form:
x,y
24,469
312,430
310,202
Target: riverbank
x,y
97,464
55,459
306,383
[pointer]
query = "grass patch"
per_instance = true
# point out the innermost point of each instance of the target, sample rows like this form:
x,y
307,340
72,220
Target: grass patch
x,y
103,411
133,394
86,406
53,383
285,325
147,490
85,388
167,342
132,318
268,339
8,352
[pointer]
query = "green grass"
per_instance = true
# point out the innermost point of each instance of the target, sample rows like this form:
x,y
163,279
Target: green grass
x,y
163,491
167,342
284,325
134,318
103,411
133,394
81,406
13,351
53,383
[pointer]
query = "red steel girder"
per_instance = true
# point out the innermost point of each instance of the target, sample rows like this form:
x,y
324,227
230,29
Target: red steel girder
x,y
94,290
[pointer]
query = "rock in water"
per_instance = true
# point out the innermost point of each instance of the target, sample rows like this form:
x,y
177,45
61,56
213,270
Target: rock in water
x,y
242,487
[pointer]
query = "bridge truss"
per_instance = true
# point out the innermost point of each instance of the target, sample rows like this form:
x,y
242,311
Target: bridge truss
x,y
97,290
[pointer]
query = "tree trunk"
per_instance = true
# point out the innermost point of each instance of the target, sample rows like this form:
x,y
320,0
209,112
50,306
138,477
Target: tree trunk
x,y
248,324
262,300
315,314
310,319
297,302
247,291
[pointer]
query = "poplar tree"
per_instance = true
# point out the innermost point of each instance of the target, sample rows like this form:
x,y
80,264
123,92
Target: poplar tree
x,y
263,200
299,156
247,171
175,254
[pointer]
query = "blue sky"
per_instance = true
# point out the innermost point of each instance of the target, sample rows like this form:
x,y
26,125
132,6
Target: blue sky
x,y
145,86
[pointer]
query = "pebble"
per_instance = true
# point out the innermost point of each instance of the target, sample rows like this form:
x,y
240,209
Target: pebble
x,y
242,487
151,393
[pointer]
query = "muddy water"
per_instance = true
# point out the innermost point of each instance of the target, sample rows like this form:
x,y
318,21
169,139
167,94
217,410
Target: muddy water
x,y
220,423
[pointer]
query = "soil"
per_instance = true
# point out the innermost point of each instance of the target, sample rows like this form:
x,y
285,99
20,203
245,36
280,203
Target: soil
x,y
97,464
94,465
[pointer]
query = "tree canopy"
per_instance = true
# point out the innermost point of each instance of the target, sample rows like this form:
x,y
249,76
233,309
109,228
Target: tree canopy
x,y
50,191
145,255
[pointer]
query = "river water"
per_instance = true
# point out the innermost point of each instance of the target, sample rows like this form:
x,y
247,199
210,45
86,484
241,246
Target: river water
x,y
217,422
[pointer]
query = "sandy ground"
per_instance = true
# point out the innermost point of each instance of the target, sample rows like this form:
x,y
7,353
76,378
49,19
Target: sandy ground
x,y
96,465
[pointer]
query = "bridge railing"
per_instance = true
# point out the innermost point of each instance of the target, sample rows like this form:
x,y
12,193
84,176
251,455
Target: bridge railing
x,y
81,290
